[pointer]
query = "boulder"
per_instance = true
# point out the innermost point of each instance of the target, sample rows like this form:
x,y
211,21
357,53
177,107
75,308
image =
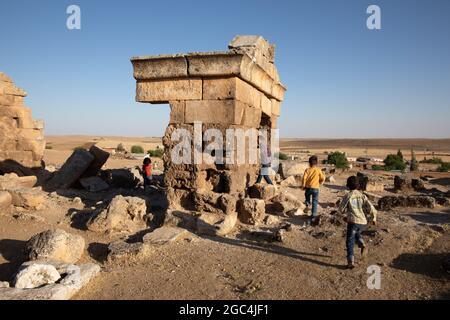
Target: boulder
x,y
94,184
389,202
11,166
5,200
284,203
262,191
164,235
370,183
73,279
35,275
216,224
72,170
402,183
251,211
292,168
288,182
206,201
27,198
122,214
3,284
13,181
227,203
417,184
55,245
271,220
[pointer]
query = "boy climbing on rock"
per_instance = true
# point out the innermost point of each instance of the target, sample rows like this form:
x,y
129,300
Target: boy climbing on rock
x,y
312,179
354,205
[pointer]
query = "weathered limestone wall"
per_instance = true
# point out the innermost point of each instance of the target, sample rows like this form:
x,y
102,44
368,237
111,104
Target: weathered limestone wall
x,y
239,88
21,137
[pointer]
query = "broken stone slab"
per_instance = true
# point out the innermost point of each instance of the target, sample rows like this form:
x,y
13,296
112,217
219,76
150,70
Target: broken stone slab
x,y
121,178
11,166
72,170
100,158
5,200
3,284
35,275
216,224
165,235
74,278
13,181
122,214
121,251
227,203
262,191
390,202
94,184
27,198
55,245
251,211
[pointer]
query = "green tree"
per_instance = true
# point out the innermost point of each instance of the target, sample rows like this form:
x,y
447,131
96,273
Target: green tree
x,y
281,155
137,149
400,154
339,159
395,162
445,167
157,153
414,165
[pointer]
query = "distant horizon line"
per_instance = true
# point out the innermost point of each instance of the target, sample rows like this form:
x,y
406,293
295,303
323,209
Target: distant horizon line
x,y
284,138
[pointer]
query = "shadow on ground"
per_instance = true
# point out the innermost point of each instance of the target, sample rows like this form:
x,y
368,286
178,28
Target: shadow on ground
x,y
12,251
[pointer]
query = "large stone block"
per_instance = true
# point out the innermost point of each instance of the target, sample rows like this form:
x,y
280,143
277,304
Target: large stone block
x,y
266,105
158,67
252,117
71,170
214,64
163,91
231,88
100,158
276,107
177,111
214,111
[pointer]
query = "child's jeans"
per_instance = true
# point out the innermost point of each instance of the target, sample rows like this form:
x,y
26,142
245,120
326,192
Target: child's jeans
x,y
147,180
354,234
314,194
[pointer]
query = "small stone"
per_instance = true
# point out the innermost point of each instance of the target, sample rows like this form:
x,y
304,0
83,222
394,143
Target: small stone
x,y
164,235
4,284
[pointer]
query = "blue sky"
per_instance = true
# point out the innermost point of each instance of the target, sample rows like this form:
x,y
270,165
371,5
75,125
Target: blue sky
x,y
343,80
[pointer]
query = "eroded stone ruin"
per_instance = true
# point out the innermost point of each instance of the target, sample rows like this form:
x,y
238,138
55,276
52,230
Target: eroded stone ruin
x,y
238,88
21,137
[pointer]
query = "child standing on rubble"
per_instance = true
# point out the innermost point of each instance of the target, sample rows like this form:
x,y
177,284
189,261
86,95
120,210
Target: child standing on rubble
x,y
355,204
147,171
312,179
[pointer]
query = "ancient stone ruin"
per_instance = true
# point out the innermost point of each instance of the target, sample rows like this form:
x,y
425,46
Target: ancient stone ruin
x,y
21,138
239,89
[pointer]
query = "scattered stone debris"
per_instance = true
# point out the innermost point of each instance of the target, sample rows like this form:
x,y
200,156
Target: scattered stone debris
x,y
55,245
13,181
402,184
271,220
292,168
288,182
330,179
3,284
39,279
390,202
164,235
122,214
120,178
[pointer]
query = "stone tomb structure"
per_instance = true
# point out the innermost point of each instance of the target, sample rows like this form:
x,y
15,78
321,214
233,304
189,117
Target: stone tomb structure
x,y
235,89
21,137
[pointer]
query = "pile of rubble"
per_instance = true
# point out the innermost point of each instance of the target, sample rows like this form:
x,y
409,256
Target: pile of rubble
x,y
50,272
22,138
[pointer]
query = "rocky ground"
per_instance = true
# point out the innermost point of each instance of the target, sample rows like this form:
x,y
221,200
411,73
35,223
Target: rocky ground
x,y
409,245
